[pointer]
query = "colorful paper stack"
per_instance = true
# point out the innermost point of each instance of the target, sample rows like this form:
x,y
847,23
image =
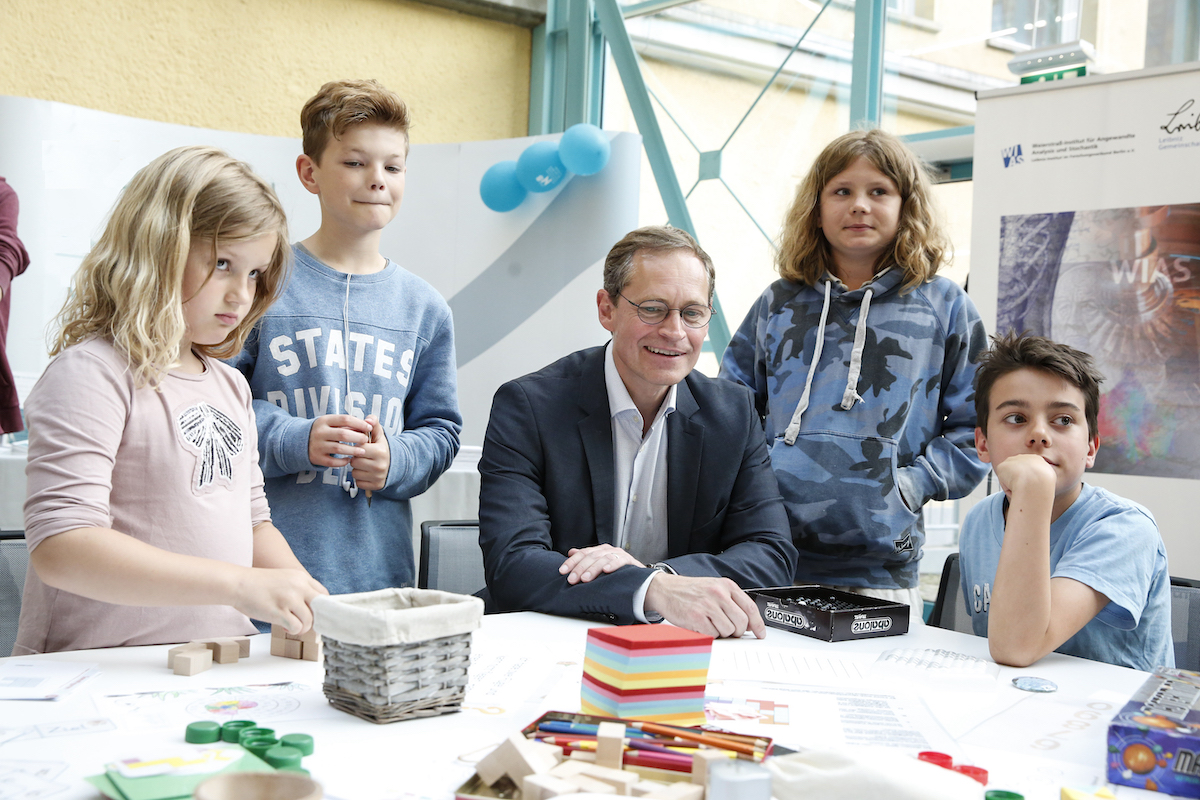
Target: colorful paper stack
x,y
647,672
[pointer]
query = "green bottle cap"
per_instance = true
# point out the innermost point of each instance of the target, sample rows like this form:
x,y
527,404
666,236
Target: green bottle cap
x,y
281,757
301,741
232,731
255,732
202,732
1001,794
260,745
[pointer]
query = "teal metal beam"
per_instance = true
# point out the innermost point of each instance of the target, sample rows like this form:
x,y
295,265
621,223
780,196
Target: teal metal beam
x,y
596,76
612,25
1184,40
540,89
866,77
579,63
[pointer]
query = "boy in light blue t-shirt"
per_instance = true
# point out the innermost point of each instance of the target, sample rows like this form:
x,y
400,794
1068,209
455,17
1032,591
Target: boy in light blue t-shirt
x,y
1051,563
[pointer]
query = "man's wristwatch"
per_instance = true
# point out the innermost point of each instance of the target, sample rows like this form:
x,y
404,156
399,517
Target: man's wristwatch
x,y
663,566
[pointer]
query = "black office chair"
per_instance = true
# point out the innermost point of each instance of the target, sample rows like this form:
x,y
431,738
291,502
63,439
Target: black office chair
x,y
450,557
949,612
14,562
1185,622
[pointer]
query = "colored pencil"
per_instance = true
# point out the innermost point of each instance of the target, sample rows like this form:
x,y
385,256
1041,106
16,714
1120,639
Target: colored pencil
x,y
556,726
586,742
719,742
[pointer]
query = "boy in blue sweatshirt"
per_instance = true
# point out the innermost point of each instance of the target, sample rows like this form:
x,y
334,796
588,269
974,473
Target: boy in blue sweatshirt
x,y
353,369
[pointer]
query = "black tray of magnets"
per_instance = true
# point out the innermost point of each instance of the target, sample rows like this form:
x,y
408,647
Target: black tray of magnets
x,y
829,614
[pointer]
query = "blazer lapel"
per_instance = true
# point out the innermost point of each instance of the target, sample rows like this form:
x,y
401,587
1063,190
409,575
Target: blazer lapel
x,y
685,443
595,431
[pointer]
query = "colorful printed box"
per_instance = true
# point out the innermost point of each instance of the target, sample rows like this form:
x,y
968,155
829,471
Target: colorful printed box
x,y
1154,741
646,672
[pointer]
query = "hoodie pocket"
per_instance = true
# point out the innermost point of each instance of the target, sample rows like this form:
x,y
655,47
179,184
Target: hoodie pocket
x,y
841,494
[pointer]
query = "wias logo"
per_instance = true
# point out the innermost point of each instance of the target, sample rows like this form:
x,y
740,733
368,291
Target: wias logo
x,y
871,625
1012,156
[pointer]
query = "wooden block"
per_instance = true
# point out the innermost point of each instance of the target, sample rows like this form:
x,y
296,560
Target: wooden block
x,y
292,648
570,766
516,757
682,790
583,755
702,759
621,781
225,651
551,749
278,645
610,745
311,650
190,662
644,787
583,783
181,649
278,632
540,786
243,643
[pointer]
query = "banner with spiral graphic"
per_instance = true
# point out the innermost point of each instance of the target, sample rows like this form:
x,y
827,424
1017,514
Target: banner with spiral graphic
x,y
1122,284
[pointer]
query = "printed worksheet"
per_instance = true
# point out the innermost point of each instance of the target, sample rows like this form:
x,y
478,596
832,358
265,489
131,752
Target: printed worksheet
x,y
30,780
274,702
786,665
849,717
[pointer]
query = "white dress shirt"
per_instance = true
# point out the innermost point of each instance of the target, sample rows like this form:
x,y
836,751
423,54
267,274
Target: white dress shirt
x,y
639,475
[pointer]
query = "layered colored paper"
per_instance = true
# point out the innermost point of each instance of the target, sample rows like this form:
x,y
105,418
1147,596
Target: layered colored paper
x,y
646,672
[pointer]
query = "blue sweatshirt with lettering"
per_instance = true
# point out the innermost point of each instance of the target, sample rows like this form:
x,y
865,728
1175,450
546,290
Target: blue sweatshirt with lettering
x,y
334,343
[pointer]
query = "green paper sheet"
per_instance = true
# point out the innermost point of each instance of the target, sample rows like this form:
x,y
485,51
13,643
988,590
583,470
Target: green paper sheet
x,y
168,787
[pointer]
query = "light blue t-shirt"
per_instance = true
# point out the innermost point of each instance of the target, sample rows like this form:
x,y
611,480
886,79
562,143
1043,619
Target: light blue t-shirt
x,y
1104,541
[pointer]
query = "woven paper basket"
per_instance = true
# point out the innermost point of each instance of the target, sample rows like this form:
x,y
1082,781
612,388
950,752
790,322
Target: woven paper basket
x,y
396,653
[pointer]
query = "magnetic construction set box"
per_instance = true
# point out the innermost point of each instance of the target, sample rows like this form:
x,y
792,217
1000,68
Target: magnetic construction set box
x,y
1154,741
830,614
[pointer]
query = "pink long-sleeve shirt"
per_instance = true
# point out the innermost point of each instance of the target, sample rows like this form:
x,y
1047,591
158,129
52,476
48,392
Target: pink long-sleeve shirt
x,y
176,468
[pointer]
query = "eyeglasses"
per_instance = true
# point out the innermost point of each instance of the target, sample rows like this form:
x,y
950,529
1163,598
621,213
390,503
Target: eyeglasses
x,y
653,312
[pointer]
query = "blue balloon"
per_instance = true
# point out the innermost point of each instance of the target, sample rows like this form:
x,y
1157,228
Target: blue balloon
x,y
499,188
584,149
539,169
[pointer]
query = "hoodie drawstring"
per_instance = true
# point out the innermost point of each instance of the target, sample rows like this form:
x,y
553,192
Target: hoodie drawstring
x,y
851,395
793,428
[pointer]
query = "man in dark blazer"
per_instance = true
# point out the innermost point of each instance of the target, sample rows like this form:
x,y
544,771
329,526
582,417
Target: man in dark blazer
x,y
620,485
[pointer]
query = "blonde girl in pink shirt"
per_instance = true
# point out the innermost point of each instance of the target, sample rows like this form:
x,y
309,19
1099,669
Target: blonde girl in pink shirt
x,y
145,517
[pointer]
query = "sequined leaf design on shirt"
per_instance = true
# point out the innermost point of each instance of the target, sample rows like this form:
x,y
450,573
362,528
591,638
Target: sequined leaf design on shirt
x,y
217,439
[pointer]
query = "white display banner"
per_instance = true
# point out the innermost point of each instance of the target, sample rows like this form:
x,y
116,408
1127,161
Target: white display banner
x,y
1087,230
522,284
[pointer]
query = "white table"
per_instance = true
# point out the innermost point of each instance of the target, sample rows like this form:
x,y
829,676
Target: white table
x,y
431,757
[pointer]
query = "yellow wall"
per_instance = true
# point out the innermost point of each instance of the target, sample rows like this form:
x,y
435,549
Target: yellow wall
x,y
249,65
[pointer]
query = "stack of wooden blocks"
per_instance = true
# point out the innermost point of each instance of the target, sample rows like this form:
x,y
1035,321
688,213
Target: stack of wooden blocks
x,y
540,771
648,672
306,646
200,655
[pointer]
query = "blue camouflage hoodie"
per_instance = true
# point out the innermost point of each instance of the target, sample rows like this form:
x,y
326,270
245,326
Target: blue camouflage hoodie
x,y
335,343
882,424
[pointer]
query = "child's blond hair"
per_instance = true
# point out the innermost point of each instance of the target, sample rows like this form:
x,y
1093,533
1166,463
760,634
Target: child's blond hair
x,y
128,289
920,247
339,105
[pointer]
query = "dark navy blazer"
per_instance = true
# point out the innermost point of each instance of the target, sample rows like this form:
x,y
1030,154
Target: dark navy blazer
x,y
547,486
